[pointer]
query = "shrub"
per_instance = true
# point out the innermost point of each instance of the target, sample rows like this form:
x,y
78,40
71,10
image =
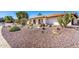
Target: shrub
x,y
22,21
42,25
8,19
43,28
58,28
50,25
17,21
14,28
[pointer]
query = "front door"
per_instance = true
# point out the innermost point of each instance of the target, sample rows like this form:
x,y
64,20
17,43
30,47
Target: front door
x,y
39,21
34,21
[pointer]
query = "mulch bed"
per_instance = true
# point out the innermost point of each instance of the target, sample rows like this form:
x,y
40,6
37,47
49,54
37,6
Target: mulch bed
x,y
35,38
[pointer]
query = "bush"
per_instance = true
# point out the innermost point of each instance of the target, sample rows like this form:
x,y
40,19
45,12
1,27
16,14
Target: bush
x,y
8,19
17,21
14,28
50,25
22,21
42,25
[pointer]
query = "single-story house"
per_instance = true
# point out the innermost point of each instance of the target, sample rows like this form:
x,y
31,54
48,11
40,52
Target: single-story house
x,y
52,19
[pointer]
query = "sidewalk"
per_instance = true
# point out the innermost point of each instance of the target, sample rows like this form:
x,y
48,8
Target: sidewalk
x,y
3,42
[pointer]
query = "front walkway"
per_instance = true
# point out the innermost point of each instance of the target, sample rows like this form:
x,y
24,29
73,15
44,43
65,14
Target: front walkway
x,y
3,42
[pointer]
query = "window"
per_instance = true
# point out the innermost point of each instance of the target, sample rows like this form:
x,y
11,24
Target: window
x,y
34,21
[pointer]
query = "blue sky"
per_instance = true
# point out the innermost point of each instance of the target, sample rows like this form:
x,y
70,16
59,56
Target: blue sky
x,y
31,13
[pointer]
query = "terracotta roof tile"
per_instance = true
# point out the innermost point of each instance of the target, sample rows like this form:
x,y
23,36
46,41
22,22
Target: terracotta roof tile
x,y
50,16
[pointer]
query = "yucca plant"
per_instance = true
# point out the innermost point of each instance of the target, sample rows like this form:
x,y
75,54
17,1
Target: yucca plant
x,y
65,20
60,20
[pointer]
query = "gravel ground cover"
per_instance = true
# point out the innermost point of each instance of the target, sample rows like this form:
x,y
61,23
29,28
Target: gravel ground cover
x,y
39,38
3,42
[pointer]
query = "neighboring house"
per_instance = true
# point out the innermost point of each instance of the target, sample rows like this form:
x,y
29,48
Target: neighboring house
x,y
76,21
52,19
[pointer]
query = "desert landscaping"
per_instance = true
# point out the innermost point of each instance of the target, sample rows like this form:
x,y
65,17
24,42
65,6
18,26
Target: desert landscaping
x,y
53,37
52,31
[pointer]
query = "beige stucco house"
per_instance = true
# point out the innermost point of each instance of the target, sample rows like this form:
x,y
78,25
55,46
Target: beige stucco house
x,y
51,19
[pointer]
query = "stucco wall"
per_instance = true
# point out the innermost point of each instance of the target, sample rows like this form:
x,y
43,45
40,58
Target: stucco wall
x,y
52,21
44,21
75,21
69,24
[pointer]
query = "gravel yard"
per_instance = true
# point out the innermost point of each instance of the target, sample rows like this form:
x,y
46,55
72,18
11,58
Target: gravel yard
x,y
39,38
3,42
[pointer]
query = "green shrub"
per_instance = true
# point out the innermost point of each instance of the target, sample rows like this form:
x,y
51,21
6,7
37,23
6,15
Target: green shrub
x,y
22,21
8,19
17,21
14,28
50,25
42,25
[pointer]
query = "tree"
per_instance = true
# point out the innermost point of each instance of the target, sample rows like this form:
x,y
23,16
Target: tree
x,y
1,19
39,14
66,19
8,19
22,14
22,17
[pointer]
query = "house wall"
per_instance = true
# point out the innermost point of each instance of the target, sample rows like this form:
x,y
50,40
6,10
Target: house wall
x,y
44,20
75,21
70,24
40,21
52,21
49,21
